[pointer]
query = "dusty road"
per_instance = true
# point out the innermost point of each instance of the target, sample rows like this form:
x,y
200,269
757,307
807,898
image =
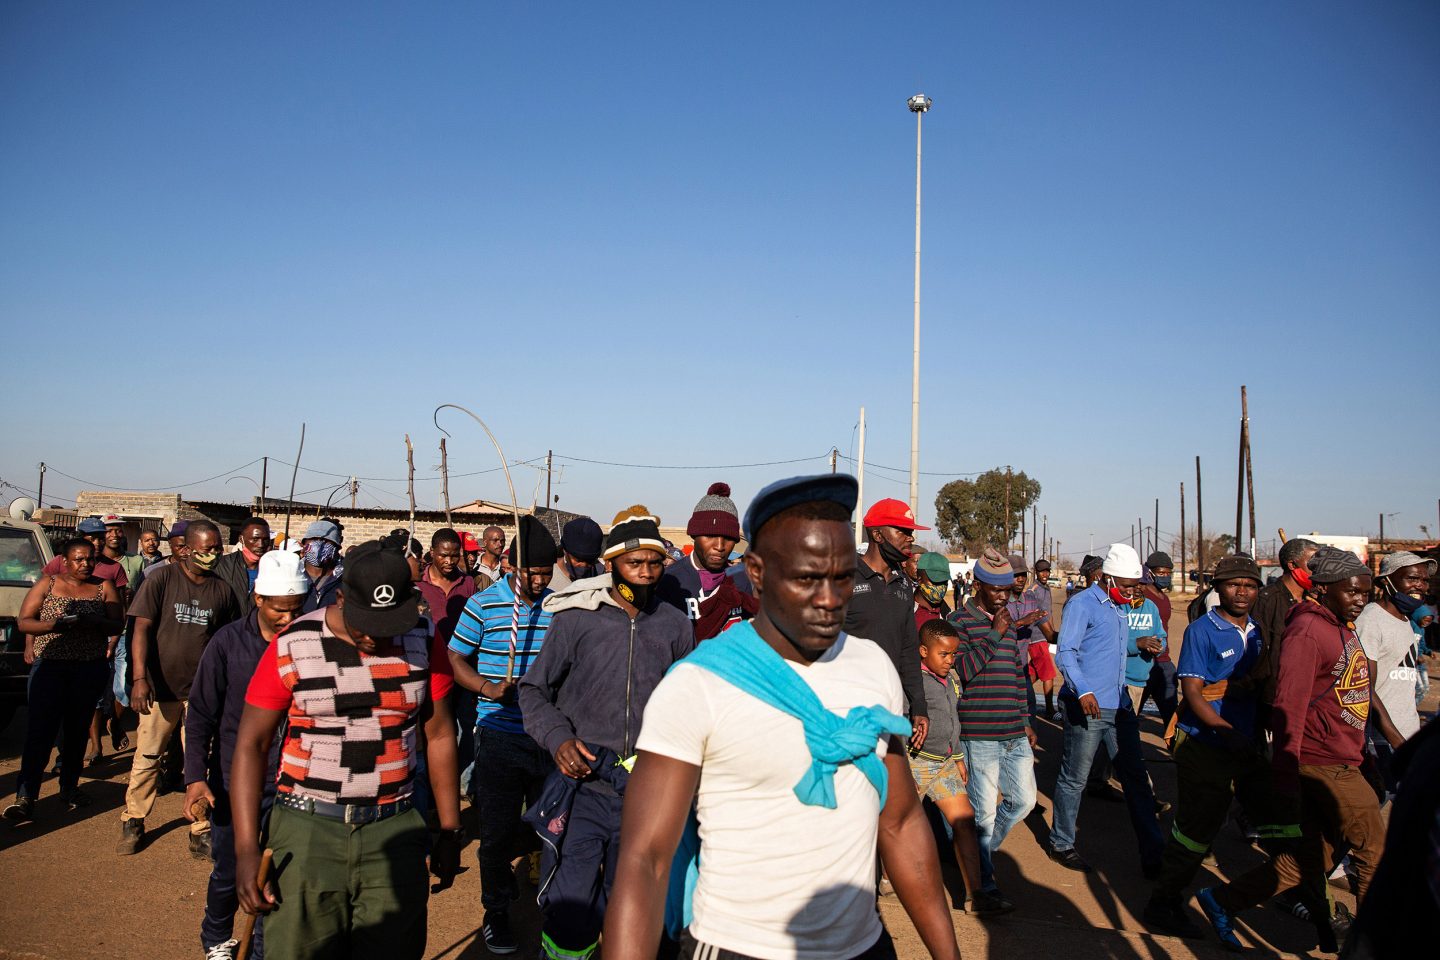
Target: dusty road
x,y
67,896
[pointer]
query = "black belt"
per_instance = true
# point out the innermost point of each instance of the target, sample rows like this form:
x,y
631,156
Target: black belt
x,y
345,812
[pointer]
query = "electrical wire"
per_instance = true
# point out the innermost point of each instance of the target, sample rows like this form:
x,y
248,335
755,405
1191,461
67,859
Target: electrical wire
x,y
712,466
165,486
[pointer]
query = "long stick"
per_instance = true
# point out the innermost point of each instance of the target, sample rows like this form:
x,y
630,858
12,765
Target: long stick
x,y
410,485
245,924
514,502
445,481
1249,471
290,503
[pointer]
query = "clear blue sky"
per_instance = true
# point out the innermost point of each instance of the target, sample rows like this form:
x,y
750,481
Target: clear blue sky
x,y
681,235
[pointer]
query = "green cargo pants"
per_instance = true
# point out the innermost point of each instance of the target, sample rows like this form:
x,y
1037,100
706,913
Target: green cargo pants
x,y
348,891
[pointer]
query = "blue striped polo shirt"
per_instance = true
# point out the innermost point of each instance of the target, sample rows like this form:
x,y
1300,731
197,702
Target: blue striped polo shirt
x,y
482,636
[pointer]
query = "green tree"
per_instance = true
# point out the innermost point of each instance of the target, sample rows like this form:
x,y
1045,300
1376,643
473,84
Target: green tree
x,y
970,514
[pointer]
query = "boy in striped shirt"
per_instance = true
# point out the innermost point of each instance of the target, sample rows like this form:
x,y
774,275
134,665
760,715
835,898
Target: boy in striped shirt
x,y
497,638
994,711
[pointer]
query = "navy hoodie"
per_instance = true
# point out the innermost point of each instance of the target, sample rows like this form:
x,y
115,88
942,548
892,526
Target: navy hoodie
x,y
598,667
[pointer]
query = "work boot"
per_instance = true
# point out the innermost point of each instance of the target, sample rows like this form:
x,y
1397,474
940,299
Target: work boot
x,y
132,834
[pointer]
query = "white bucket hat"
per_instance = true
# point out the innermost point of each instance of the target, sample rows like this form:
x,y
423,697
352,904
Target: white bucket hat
x,y
281,574
1122,561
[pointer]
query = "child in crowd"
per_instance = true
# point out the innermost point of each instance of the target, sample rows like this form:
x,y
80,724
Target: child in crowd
x,y
939,766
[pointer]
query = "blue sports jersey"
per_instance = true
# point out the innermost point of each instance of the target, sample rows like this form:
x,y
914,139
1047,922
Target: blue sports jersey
x,y
1216,650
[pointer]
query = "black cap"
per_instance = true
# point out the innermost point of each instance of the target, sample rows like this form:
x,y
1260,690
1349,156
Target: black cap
x,y
1159,560
781,495
1091,563
582,539
1236,567
380,599
536,544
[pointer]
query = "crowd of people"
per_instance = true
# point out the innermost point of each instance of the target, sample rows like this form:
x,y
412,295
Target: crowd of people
x,y
701,754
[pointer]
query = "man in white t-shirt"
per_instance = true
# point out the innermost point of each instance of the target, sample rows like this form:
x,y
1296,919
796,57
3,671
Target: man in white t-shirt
x,y
1390,644
786,856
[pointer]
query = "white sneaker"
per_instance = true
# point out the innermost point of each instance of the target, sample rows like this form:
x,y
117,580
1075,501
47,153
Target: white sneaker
x,y
222,951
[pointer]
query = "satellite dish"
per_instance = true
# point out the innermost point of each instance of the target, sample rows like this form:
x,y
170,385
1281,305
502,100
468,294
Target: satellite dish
x,y
23,508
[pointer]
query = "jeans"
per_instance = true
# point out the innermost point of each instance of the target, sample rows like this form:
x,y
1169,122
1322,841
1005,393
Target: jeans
x,y
119,676
511,770
61,699
1161,688
462,705
221,902
1119,732
998,767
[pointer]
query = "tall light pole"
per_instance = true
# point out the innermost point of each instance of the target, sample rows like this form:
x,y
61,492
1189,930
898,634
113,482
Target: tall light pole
x,y
918,105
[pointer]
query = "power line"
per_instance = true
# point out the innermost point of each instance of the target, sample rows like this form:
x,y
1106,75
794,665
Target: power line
x,y
669,466
166,486
906,470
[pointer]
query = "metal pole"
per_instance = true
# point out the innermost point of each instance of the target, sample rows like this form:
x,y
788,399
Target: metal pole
x,y
1183,581
1199,522
860,478
445,481
40,493
290,502
915,374
264,480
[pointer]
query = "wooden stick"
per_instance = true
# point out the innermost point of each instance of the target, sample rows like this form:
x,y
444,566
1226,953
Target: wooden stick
x,y
245,926
290,503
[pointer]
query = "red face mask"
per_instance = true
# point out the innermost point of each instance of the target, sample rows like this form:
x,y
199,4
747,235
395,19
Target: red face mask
x,y
1302,577
1121,600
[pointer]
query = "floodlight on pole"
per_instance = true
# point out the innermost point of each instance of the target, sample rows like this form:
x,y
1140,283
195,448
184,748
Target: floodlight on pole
x,y
919,105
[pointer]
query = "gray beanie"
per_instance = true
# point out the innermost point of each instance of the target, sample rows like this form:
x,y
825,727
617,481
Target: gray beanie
x,y
715,515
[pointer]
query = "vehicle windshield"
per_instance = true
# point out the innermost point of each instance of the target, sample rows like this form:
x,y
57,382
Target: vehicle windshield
x,y
19,556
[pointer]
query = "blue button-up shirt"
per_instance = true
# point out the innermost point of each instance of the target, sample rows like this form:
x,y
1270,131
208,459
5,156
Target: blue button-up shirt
x,y
1094,635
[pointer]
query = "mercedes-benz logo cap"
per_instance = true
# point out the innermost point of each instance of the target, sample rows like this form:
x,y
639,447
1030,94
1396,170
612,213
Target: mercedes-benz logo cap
x,y
380,599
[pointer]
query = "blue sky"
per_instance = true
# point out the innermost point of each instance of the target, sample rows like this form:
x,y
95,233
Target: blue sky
x,y
665,235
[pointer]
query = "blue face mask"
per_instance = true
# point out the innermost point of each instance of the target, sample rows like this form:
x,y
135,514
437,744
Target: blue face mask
x,y
1163,583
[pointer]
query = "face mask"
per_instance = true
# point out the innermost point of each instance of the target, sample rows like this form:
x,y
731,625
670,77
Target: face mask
x,y
636,594
584,571
893,555
1302,577
1406,604
1163,584
934,593
1135,602
320,553
204,561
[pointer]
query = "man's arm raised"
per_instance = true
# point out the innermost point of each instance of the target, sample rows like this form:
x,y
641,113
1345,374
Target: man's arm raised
x,y
657,804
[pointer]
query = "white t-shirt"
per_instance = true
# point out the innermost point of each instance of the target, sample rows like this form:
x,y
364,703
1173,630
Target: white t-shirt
x,y
1389,641
778,879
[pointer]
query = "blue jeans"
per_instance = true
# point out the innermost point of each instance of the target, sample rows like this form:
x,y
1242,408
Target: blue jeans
x,y
1119,731
998,767
221,901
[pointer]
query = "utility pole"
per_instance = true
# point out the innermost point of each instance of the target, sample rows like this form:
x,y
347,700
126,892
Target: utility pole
x,y
1140,526
1382,531
834,455
1249,471
860,488
1022,534
918,105
1240,477
40,492
445,480
1045,532
264,480
549,469
1156,530
1036,546
1132,536
1183,581
1008,518
1199,522
354,491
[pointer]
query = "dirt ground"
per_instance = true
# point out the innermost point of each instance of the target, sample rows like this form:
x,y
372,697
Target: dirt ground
x,y
68,896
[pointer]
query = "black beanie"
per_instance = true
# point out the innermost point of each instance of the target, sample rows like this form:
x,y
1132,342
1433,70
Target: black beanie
x,y
537,544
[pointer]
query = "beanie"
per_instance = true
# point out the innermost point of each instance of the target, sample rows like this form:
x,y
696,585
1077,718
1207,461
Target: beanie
x,y
715,515
634,529
537,544
993,568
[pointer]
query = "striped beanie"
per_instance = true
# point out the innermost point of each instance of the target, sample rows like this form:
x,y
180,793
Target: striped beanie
x,y
634,529
715,515
993,568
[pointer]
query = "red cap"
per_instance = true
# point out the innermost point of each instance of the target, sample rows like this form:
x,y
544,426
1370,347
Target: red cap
x,y
468,543
891,513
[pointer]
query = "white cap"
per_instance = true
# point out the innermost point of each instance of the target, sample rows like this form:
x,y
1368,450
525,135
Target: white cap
x,y
1122,561
281,574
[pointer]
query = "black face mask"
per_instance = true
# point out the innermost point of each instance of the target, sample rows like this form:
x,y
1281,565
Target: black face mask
x,y
583,571
636,594
893,555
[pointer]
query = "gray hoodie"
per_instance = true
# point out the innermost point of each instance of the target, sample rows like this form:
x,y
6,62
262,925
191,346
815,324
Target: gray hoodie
x,y
598,667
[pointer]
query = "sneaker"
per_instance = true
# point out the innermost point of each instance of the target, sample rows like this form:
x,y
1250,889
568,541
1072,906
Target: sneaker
x,y
132,832
75,799
496,931
200,845
1058,716
1222,923
991,904
1068,859
223,951
1169,917
21,810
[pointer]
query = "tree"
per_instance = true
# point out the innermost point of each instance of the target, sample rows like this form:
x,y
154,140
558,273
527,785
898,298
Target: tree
x,y
970,514
1216,547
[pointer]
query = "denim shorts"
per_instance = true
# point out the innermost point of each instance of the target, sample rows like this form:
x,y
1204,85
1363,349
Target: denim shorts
x,y
938,779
